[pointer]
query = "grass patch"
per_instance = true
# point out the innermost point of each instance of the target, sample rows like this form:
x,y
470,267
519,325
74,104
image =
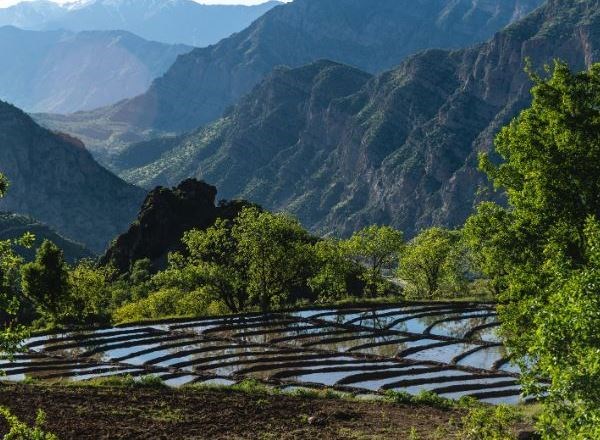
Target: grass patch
x,y
424,398
127,381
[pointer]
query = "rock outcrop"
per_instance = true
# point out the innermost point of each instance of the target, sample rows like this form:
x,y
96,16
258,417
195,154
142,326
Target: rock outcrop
x,y
165,215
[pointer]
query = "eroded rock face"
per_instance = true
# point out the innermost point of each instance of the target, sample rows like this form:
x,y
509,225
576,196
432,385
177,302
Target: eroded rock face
x,y
341,149
165,215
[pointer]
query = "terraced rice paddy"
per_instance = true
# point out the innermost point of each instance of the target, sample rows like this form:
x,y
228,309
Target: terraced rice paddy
x,y
448,348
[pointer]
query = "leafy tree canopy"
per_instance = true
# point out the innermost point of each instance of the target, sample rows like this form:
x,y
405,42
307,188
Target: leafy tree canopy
x,y
541,250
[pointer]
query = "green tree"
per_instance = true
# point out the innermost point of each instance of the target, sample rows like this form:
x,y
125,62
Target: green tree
x,y
277,252
90,297
335,273
566,346
45,281
485,236
539,250
376,248
214,253
432,263
11,333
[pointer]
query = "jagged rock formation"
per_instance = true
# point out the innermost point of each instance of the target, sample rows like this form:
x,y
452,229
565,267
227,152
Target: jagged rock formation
x,y
62,72
55,180
14,226
342,150
165,215
372,36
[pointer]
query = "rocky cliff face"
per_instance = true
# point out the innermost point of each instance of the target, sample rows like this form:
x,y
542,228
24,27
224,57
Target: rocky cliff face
x,y
54,179
165,215
372,36
341,150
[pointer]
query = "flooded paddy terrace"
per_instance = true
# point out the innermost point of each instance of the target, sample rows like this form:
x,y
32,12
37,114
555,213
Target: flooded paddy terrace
x,y
448,348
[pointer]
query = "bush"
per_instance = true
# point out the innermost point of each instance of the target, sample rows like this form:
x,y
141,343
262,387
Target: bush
x,y
21,431
169,302
490,423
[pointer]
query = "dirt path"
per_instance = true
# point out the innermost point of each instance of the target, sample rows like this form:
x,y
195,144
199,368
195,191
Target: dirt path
x,y
120,413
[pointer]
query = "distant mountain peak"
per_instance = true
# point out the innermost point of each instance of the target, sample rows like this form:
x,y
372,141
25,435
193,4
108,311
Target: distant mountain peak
x,y
63,71
167,21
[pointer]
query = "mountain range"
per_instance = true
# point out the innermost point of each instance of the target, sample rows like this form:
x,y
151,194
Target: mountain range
x,y
167,21
340,148
61,71
371,36
55,180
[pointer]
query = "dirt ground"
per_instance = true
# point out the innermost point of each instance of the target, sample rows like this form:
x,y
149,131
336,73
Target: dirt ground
x,y
124,413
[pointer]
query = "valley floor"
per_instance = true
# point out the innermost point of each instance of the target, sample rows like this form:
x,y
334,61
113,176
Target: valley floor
x,y
147,413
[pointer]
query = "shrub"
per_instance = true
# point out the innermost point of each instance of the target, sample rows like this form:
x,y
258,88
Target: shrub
x,y
490,423
19,430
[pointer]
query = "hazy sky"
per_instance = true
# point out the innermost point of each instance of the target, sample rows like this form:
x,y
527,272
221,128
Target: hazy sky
x,y
5,3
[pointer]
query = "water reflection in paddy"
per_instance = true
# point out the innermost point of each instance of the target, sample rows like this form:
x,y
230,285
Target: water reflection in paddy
x,y
485,358
443,353
459,327
404,373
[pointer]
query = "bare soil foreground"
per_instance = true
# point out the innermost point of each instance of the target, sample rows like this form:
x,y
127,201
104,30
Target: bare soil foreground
x,y
124,413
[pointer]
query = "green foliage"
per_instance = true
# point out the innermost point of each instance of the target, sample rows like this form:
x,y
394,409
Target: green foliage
x,y
252,386
335,278
214,253
490,423
90,293
260,260
21,431
12,333
45,281
423,398
486,234
541,252
377,248
10,302
567,343
277,253
126,381
167,302
433,263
